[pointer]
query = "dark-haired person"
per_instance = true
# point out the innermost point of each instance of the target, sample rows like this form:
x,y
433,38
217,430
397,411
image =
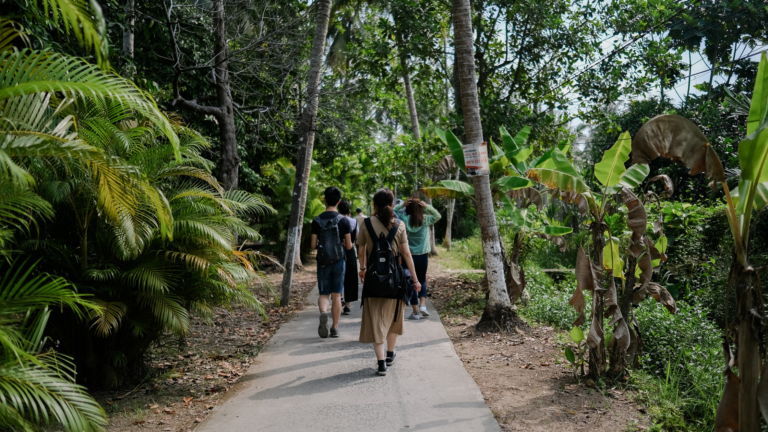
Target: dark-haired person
x,y
378,326
350,271
330,276
359,217
418,216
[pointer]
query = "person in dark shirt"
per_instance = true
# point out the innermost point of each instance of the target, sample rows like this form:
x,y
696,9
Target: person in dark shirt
x,y
330,277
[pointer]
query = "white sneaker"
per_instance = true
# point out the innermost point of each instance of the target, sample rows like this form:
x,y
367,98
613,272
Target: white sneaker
x,y
423,311
414,316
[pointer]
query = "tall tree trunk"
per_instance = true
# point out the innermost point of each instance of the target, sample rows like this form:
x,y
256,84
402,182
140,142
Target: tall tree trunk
x,y
306,145
230,161
128,37
498,313
597,354
748,353
449,220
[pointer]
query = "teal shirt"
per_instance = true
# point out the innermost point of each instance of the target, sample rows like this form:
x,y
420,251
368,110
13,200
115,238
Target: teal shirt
x,y
418,238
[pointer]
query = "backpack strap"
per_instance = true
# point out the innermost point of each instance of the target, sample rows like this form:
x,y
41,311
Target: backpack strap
x,y
369,227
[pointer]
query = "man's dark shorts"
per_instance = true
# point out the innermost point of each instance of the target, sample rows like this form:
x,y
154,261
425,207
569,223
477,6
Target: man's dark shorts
x,y
330,278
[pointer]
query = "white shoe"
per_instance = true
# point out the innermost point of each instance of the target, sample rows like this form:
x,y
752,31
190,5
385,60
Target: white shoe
x,y
414,316
423,311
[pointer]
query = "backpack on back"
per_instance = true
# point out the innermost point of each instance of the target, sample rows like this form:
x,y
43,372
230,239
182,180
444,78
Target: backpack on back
x,y
329,247
384,276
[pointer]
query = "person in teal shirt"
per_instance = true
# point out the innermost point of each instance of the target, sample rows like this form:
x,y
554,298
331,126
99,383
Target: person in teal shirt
x,y
418,216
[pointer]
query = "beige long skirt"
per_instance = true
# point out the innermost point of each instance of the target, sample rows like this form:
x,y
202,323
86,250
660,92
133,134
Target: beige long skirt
x,y
379,319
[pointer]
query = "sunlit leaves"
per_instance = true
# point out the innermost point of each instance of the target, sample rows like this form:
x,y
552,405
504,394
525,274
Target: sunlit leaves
x,y
610,169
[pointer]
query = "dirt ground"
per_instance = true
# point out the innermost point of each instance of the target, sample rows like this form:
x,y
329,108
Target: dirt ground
x,y
523,377
190,376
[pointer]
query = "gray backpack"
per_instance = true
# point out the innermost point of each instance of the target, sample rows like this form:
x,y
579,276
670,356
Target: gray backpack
x,y
329,247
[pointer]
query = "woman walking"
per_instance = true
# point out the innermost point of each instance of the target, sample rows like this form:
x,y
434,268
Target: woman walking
x,y
378,326
418,217
350,272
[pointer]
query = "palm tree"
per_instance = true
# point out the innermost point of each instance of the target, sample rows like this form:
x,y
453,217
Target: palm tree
x,y
498,312
307,142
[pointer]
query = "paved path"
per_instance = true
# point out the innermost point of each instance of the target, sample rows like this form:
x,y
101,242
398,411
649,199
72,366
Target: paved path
x,y
304,383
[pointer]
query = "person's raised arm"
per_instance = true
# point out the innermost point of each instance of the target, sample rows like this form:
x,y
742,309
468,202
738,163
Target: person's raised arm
x,y
431,215
406,253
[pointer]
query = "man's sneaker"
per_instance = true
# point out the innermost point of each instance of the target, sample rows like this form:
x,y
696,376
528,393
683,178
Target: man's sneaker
x,y
334,332
415,316
382,368
391,360
346,310
423,311
322,329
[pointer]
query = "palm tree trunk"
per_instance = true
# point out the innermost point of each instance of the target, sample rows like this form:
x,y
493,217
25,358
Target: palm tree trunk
x,y
307,142
498,312
230,161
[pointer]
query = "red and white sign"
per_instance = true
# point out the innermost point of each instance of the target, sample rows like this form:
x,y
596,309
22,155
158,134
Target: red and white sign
x,y
476,159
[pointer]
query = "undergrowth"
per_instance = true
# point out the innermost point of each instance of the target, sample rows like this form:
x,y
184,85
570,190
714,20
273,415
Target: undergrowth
x,y
678,379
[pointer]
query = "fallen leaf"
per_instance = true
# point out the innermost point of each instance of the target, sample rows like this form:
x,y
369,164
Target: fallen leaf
x,y
545,364
571,412
154,406
138,422
109,402
188,400
197,420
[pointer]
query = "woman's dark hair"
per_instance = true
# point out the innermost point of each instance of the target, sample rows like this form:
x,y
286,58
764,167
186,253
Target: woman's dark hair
x,y
414,209
343,207
383,199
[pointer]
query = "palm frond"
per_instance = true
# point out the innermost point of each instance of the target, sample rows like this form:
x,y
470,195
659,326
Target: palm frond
x,y
31,394
167,309
32,72
82,18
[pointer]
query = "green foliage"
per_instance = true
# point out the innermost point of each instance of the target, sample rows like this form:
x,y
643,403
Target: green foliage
x,y
683,353
36,384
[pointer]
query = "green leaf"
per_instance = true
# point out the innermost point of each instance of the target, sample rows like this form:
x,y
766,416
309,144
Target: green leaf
x,y
610,169
612,258
522,154
632,178
459,186
516,215
513,183
554,230
562,176
577,335
569,355
496,150
661,245
759,106
513,145
436,192
454,145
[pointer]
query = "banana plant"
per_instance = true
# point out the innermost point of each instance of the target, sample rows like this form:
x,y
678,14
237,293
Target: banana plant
x,y
745,396
523,223
565,183
505,166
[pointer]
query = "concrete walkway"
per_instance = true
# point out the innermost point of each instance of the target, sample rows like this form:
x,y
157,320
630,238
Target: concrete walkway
x,y
304,383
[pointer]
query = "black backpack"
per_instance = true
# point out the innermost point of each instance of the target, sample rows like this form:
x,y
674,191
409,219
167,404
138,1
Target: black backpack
x,y
384,276
329,248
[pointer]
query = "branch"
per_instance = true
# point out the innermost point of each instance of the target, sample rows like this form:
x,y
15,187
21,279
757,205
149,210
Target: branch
x,y
177,98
